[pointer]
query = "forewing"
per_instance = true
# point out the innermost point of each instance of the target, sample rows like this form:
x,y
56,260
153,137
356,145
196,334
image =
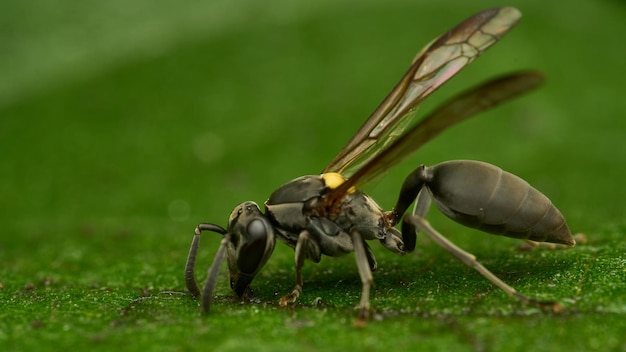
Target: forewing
x,y
459,108
434,65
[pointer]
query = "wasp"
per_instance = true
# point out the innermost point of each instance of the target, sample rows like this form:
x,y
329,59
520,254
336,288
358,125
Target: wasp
x,y
327,214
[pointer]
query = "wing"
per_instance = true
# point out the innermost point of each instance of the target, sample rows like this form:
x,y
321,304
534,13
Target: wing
x,y
457,109
434,65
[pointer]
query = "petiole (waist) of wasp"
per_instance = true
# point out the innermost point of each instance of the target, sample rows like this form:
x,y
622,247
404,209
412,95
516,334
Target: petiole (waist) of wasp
x,y
327,214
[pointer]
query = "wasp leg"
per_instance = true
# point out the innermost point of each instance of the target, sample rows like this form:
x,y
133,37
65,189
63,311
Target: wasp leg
x,y
371,260
190,279
529,245
423,204
470,260
211,279
396,242
365,273
306,247
579,238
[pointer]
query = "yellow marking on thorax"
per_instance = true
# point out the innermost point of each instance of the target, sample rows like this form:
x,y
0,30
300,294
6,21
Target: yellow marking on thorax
x,y
334,180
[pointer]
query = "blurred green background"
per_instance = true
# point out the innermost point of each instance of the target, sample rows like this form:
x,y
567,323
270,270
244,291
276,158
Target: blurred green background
x,y
124,124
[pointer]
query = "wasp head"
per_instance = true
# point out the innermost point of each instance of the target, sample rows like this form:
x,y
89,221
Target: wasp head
x,y
251,244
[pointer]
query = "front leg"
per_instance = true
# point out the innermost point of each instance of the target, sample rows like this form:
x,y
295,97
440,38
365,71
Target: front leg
x,y
305,247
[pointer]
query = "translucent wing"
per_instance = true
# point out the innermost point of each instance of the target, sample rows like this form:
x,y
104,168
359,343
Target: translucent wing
x,y
434,65
459,108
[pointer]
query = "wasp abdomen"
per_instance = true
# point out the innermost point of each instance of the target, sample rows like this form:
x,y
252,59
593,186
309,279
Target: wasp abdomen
x,y
485,197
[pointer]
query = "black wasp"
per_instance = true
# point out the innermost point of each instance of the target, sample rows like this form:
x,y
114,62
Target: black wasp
x,y
327,213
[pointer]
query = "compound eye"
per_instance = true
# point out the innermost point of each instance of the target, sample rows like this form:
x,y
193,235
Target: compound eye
x,y
251,254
